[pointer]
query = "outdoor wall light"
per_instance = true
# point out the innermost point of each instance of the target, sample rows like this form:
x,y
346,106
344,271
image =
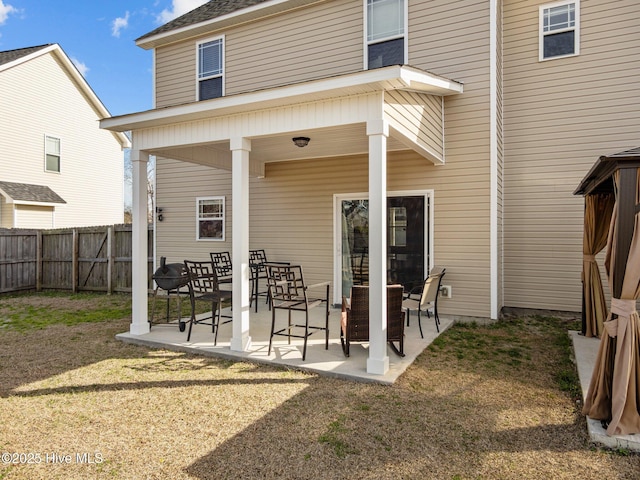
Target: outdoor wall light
x,y
301,141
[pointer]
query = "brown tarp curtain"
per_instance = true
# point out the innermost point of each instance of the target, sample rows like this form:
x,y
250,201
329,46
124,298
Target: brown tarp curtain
x,y
597,218
614,391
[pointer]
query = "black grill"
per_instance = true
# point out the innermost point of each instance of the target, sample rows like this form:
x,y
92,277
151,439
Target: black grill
x,y
171,276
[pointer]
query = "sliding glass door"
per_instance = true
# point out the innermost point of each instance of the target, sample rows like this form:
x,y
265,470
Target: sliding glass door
x,y
407,240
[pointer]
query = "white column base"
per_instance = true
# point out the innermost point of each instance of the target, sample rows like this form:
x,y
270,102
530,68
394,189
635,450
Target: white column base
x,y
241,344
139,328
378,366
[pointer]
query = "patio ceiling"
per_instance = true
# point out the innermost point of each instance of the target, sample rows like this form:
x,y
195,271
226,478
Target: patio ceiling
x,y
325,142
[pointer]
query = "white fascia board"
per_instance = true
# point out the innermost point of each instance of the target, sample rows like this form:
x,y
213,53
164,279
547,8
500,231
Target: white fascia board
x,y
31,56
37,204
368,81
254,12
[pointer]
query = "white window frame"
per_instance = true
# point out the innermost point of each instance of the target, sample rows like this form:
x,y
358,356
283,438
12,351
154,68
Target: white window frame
x,y
209,77
404,35
542,33
58,154
221,218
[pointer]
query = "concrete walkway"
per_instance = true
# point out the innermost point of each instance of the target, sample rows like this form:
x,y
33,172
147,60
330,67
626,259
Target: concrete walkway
x,y
586,350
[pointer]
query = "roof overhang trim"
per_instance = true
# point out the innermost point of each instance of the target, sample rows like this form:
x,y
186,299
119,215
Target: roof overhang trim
x,y
382,79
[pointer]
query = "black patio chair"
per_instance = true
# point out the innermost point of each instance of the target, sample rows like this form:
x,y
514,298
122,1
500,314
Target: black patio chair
x,y
204,286
257,262
288,292
222,263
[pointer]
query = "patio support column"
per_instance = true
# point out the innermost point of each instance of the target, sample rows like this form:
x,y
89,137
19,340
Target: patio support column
x,y
240,148
378,361
139,253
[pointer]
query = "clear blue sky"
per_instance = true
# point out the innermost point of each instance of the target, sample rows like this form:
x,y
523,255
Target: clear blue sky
x,y
99,37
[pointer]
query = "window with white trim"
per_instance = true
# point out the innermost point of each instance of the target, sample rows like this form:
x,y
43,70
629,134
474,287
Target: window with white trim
x,y
386,39
51,154
211,69
559,30
210,218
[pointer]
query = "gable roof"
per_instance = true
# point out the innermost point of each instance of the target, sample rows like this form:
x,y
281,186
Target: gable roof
x,y
11,55
12,58
28,193
214,15
208,11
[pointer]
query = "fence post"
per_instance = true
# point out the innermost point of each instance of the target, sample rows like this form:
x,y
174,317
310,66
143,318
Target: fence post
x,y
74,261
38,261
109,260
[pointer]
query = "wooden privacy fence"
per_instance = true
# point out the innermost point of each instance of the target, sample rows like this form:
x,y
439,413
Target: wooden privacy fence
x,y
76,259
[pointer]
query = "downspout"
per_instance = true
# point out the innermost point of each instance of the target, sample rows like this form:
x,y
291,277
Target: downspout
x,y
493,158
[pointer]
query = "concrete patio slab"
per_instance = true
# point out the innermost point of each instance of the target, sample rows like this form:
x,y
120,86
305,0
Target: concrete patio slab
x,y
318,360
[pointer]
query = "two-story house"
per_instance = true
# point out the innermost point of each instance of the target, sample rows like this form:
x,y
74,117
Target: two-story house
x,y
58,168
412,132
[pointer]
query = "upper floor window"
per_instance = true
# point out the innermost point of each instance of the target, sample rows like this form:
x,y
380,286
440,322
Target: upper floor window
x,y
52,154
211,69
386,39
559,30
210,218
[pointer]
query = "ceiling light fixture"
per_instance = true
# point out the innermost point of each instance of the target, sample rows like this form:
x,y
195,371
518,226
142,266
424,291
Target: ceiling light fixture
x,y
301,141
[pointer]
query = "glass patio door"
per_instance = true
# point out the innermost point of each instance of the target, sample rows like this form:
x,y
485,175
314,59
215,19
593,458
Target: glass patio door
x,y
407,255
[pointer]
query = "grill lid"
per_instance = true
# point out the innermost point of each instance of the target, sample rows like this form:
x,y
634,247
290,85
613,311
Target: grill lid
x,y
170,276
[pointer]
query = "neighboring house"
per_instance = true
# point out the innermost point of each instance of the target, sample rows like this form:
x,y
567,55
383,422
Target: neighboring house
x,y
476,118
58,168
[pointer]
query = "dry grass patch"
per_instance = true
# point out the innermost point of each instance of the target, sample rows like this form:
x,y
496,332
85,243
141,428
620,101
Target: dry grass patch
x,y
482,402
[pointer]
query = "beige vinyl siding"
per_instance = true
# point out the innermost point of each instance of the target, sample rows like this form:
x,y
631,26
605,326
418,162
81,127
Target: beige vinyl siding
x,y
560,116
6,213
408,110
33,216
176,74
320,41
40,99
451,38
315,42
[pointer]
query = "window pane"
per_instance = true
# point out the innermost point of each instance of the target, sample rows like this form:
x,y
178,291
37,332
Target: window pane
x,y
559,44
385,18
386,53
52,163
210,229
210,208
561,17
211,88
53,145
210,59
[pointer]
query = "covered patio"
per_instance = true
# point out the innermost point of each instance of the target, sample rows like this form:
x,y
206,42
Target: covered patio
x,y
372,112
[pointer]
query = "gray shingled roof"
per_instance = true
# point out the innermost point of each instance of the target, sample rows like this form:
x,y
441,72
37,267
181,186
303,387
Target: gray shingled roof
x,y
208,11
30,193
11,55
